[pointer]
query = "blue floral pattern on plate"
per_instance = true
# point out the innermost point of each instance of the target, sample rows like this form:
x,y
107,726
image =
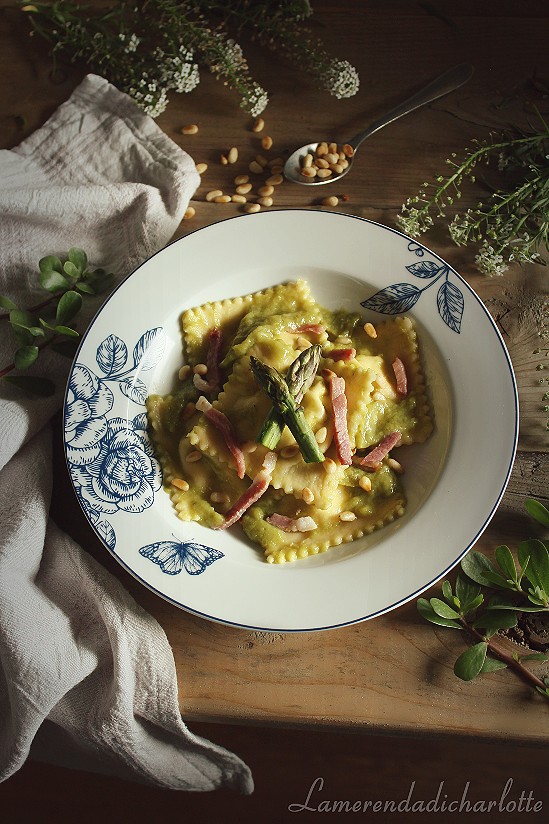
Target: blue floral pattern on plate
x,y
401,297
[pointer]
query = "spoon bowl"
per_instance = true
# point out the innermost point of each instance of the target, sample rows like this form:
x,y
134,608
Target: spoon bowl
x,y
441,85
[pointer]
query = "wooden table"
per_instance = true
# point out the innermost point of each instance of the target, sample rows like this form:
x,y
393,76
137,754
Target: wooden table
x,y
393,674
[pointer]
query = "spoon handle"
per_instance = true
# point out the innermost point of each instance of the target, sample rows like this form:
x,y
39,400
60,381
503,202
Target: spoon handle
x,y
446,82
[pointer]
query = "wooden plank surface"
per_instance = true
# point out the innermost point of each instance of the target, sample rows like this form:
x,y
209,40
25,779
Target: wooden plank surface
x,y
393,673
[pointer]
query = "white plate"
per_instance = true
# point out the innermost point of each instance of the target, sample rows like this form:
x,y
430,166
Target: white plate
x,y
453,482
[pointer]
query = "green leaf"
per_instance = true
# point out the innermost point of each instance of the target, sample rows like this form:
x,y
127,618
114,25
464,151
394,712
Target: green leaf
x,y
43,387
476,602
535,656
538,566
494,621
427,612
470,662
6,303
505,559
492,665
53,281
66,330
537,510
69,305
497,580
84,287
21,319
447,591
476,566
67,348
25,356
50,263
468,592
71,270
520,607
538,596
79,258
545,693
442,609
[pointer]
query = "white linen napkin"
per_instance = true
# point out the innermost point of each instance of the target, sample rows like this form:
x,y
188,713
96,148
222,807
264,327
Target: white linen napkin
x,y
75,648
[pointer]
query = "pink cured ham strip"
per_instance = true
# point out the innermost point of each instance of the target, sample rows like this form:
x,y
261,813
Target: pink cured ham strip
x,y
258,487
341,354
304,524
339,408
223,425
376,455
213,384
401,377
315,328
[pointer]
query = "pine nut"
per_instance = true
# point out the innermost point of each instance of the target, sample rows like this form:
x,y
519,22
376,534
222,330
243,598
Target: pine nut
x,y
265,201
238,199
324,173
365,483
249,446
200,369
180,484
321,149
277,169
265,191
309,171
219,498
276,161
395,466
201,168
232,157
289,451
337,168
213,194
259,125
222,199
347,516
250,208
370,330
223,160
244,188
329,465
184,372
321,434
191,128
332,148
240,179
263,162
189,212
343,163
255,167
303,343
330,201
307,495
266,142
320,163
307,161
348,150
194,456
274,180
332,157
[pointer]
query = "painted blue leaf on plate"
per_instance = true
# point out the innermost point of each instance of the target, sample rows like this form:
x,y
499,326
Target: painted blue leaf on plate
x,y
149,348
134,389
111,355
425,269
106,532
393,300
173,556
450,305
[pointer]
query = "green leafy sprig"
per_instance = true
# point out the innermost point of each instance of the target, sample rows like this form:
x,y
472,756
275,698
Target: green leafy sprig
x,y
47,323
512,223
513,587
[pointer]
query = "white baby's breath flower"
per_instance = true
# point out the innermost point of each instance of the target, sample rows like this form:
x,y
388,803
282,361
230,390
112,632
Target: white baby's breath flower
x,y
341,79
490,262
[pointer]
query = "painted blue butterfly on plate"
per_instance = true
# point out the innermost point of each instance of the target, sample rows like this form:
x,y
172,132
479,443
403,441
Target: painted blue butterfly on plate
x,y
173,556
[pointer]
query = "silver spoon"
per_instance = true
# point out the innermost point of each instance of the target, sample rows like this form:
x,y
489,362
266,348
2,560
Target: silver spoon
x,y
447,82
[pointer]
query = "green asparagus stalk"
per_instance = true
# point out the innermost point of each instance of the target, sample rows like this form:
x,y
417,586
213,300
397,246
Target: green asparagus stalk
x,y
272,382
299,378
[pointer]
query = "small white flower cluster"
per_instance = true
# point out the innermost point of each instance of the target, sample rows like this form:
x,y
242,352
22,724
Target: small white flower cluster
x,y
177,72
149,96
256,100
489,261
341,79
131,42
413,221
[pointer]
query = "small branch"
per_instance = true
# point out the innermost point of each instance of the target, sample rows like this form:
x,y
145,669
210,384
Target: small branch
x,y
506,657
34,308
7,369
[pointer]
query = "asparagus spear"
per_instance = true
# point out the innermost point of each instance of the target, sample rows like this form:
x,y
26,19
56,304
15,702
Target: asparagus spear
x,y
272,382
299,378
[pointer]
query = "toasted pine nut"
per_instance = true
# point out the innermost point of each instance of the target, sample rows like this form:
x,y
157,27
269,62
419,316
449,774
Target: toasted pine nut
x,y
189,212
347,516
250,208
267,142
370,330
191,128
259,125
249,446
337,168
321,149
329,465
222,199
348,150
180,484
343,163
189,411
219,498
365,483
332,148
265,201
201,168
200,369
255,167
309,171
307,495
277,169
320,163
263,162
274,180
194,456
332,157
395,466
184,372
307,161
244,188
323,173
289,451
223,160
303,343
239,199
213,194
232,157
240,179
265,191
321,434
330,201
